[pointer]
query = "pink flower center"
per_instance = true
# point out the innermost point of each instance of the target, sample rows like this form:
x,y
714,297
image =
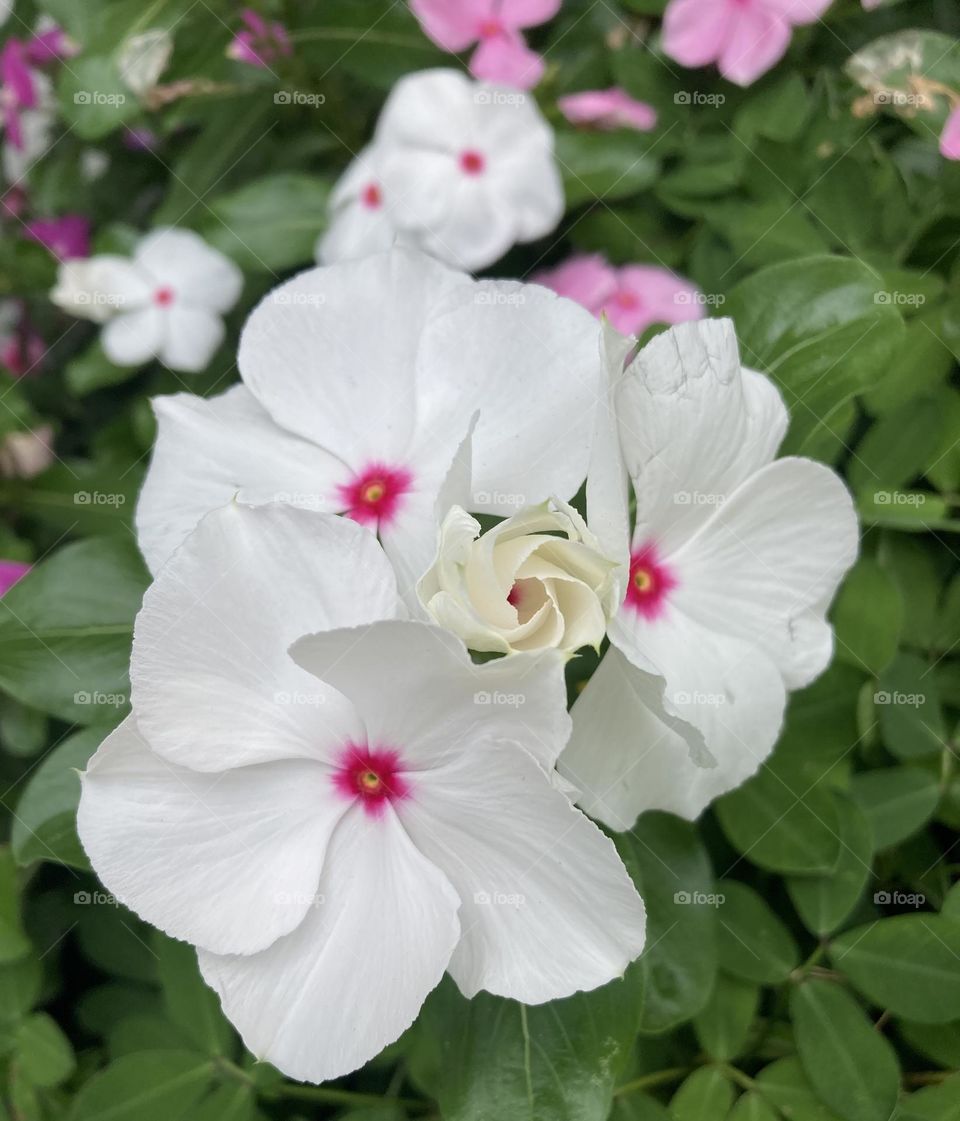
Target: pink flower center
x,y
372,197
372,776
472,162
629,301
375,495
490,29
163,297
651,581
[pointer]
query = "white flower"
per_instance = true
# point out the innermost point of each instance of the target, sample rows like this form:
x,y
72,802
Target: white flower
x,y
328,827
534,581
166,302
361,384
463,169
143,58
731,568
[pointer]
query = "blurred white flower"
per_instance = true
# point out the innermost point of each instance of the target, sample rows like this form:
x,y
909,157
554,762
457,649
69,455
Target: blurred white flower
x,y
165,302
537,580
143,58
462,169
730,570
387,389
24,455
333,829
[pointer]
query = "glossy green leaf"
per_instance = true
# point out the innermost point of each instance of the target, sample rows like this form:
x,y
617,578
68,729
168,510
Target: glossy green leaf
x,y
43,1051
703,1096
897,801
150,1086
752,943
723,1026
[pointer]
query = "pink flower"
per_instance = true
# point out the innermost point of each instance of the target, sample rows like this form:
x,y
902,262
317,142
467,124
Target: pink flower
x,y
18,89
10,573
502,54
632,298
261,43
64,237
608,109
744,37
22,349
950,137
50,44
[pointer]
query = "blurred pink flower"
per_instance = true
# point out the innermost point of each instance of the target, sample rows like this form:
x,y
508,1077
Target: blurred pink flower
x,y
744,37
18,89
49,44
608,109
633,297
10,572
261,43
502,54
950,137
64,237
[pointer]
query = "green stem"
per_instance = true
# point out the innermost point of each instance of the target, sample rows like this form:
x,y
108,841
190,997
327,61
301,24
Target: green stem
x,y
651,1081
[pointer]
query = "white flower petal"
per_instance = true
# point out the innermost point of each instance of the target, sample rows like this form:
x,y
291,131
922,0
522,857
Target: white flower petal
x,y
628,755
228,861
420,693
213,687
199,274
766,565
331,354
190,338
693,426
547,907
209,450
528,360
134,337
97,288
331,995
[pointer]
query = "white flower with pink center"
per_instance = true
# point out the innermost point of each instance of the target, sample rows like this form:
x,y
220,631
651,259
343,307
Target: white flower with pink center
x,y
327,824
166,301
387,389
461,169
728,574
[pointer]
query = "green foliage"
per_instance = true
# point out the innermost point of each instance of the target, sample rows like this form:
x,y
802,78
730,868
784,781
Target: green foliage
x,y
803,952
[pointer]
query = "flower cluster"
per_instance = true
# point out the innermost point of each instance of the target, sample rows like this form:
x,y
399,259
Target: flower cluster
x,y
318,786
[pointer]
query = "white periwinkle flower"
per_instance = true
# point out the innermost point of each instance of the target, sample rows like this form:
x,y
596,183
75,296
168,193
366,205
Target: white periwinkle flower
x,y
337,826
143,58
166,301
462,169
534,581
733,562
387,389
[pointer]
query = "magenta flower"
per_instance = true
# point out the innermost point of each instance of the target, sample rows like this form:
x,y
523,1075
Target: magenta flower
x,y
64,237
261,43
10,573
950,137
744,37
633,298
51,44
608,109
502,54
17,89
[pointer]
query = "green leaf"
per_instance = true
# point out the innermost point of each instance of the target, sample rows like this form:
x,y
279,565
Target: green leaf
x,y
939,1042
911,721
20,983
824,902
672,872
93,98
607,165
190,1004
45,825
867,617
850,1065
785,1085
14,943
270,224
816,327
93,370
910,511
907,964
897,448
753,1107
723,1026
752,943
150,1086
65,631
43,1051
782,819
704,1096
897,801
238,1103
553,1062
934,1103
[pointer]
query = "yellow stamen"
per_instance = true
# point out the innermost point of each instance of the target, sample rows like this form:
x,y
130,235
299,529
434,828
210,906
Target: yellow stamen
x,y
642,580
369,780
373,492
